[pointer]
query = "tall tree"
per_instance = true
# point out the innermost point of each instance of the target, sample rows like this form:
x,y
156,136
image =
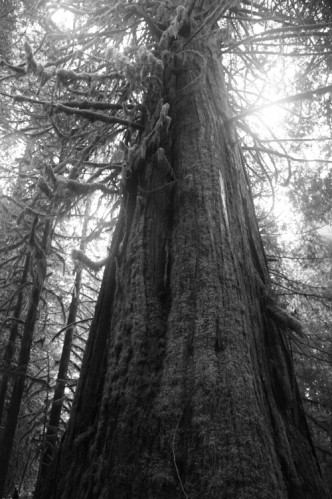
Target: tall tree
x,y
53,425
187,386
38,249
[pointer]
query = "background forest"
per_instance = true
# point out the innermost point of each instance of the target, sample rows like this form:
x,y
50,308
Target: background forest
x,y
72,82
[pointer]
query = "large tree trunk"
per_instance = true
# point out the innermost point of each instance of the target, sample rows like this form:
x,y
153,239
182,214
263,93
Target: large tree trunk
x,y
187,387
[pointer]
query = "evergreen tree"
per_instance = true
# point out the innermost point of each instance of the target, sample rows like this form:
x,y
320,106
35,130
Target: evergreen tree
x,y
187,386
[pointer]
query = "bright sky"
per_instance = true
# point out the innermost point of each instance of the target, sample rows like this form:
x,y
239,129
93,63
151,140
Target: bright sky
x,y
63,18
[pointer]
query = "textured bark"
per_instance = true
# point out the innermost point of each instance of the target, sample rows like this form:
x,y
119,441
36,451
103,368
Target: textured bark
x,y
187,386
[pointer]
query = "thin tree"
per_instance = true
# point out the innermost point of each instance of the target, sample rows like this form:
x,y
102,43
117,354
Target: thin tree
x,y
13,333
38,251
53,425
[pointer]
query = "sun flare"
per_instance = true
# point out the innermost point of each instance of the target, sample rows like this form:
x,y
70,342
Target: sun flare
x,y
63,18
272,115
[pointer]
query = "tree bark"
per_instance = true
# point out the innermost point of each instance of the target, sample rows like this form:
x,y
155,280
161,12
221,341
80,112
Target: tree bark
x,y
187,386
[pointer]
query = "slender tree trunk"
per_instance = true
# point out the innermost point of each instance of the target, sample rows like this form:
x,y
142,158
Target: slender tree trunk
x,y
39,273
187,387
52,432
10,347
51,436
